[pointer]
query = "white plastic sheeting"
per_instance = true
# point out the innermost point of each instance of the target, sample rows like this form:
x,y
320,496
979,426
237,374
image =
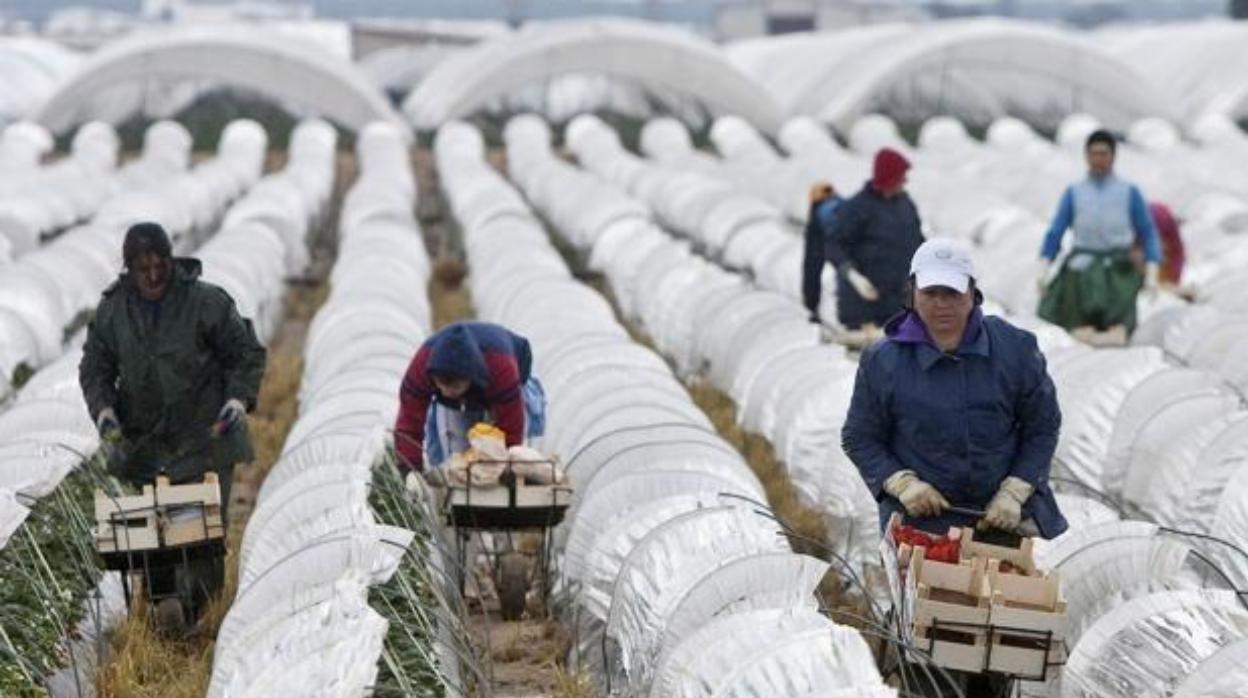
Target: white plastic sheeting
x,y
654,547
973,69
1194,63
120,79
47,432
301,622
30,69
1148,645
38,201
625,51
22,146
1164,439
757,345
43,292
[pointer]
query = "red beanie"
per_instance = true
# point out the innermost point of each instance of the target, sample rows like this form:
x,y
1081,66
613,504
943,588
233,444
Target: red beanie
x,y
889,169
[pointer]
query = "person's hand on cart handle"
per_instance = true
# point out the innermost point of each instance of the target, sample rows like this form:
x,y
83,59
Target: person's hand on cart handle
x,y
1005,511
918,497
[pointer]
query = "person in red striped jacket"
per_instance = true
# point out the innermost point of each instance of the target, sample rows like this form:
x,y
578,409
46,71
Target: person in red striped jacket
x,y
468,372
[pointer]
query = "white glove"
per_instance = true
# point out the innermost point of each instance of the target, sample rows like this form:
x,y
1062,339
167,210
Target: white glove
x,y
918,497
862,285
1042,279
232,412
1152,279
1005,511
412,482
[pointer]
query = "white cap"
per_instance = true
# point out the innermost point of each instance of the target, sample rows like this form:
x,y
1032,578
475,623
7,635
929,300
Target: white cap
x,y
943,262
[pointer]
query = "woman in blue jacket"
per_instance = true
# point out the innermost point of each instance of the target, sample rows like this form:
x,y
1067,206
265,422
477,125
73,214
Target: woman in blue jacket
x,y
954,409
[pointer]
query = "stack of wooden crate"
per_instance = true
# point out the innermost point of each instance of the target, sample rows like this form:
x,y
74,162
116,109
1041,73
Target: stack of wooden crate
x,y
974,616
161,516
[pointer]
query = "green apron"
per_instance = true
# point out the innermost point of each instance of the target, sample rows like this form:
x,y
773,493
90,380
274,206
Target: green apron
x,y
1093,288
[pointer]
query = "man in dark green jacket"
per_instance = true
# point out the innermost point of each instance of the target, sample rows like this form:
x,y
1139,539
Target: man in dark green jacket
x,y
170,368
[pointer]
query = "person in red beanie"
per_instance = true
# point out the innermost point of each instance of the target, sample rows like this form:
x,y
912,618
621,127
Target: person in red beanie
x,y
872,240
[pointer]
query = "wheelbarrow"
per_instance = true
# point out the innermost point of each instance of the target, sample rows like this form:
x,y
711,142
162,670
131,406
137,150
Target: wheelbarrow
x,y
166,541
509,507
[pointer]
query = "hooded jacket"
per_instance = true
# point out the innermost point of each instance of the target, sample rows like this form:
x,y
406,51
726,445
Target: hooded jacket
x,y
962,421
496,362
166,368
877,235
819,225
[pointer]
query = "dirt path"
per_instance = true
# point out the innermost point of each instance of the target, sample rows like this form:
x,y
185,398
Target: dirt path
x,y
525,657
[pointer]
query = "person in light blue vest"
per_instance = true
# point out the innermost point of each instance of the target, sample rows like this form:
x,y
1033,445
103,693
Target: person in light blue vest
x,y
1096,287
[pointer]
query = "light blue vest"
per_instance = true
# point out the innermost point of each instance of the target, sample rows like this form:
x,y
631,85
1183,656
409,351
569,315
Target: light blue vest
x,y
1102,214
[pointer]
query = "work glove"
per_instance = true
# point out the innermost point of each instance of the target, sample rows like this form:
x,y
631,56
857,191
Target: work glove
x,y
411,482
1152,279
108,426
861,284
228,418
1042,279
1005,511
918,497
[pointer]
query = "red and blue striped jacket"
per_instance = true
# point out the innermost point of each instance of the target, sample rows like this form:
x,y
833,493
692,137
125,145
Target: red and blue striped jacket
x,y
497,363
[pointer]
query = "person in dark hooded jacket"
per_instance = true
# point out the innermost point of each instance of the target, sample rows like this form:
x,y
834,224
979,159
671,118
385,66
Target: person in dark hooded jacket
x,y
819,222
871,242
169,368
955,409
466,373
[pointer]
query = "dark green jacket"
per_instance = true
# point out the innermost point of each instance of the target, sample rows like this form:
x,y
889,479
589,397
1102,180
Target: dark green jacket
x,y
167,369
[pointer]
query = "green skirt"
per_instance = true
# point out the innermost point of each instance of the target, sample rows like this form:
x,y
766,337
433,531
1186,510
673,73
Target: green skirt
x,y
1095,289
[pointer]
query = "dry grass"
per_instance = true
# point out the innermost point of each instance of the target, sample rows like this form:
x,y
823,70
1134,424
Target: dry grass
x,y
448,295
572,685
809,527
803,520
144,664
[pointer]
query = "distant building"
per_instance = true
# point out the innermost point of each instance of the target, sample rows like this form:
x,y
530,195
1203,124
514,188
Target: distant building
x,y
735,19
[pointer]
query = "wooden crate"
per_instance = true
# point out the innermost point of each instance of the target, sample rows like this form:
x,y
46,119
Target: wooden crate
x,y
144,522
1022,557
973,617
1033,601
947,592
127,522
976,650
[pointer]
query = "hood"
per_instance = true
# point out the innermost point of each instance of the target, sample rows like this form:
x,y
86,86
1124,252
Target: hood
x,y
187,269
907,328
455,352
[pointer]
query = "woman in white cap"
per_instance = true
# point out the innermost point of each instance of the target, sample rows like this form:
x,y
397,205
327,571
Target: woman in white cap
x,y
953,409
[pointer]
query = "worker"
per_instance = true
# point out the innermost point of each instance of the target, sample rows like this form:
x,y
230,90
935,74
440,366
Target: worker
x,y
1173,255
873,236
819,220
1095,290
169,370
468,372
955,409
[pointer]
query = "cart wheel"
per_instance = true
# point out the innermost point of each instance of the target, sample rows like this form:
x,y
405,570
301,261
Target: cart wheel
x,y
170,618
513,584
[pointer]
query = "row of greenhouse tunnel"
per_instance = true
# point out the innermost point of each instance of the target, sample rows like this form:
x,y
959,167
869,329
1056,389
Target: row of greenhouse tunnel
x,y
641,268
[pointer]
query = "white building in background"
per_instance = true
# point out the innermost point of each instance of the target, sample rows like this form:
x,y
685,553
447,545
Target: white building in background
x,y
736,19
225,10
